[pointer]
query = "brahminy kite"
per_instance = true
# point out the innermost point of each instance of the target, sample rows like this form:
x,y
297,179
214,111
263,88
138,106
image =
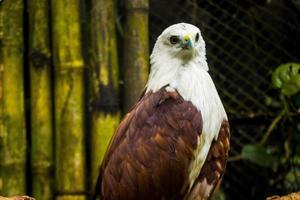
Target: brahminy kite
x,y
173,144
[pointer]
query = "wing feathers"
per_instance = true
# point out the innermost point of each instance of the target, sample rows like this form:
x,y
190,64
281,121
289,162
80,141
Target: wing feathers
x,y
150,153
213,169
151,150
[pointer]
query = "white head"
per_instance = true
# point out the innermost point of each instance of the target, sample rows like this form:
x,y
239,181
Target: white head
x,y
182,42
179,45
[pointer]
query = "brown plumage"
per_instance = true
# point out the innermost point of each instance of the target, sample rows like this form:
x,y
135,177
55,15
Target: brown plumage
x,y
150,153
174,143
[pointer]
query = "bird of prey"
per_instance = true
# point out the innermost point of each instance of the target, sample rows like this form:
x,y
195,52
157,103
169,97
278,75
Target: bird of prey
x,y
173,144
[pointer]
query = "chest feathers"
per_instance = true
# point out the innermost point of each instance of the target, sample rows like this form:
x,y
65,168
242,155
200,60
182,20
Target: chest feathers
x,y
194,84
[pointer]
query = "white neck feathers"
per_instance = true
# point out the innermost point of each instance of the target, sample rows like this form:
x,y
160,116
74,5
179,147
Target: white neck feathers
x,y
193,83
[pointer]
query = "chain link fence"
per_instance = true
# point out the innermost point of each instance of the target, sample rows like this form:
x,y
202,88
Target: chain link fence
x,y
245,40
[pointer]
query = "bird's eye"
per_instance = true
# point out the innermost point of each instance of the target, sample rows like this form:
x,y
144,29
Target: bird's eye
x,y
197,37
174,39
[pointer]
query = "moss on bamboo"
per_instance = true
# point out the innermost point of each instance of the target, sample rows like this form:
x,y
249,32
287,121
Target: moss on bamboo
x,y
41,104
70,158
104,125
136,51
105,80
12,118
69,99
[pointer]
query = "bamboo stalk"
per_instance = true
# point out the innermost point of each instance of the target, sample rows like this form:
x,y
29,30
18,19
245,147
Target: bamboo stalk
x,y
41,105
105,79
12,118
136,53
69,100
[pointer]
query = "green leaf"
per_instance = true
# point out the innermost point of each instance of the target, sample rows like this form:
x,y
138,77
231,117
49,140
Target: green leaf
x,y
287,78
258,155
289,89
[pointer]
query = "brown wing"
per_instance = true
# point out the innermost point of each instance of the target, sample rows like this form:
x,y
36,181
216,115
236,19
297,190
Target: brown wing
x,y
213,169
149,155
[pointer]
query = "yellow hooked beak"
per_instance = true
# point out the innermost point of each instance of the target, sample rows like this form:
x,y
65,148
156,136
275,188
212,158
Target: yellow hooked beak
x,y
187,42
186,38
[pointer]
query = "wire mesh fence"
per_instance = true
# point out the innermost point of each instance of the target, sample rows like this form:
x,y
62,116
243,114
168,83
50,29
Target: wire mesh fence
x,y
245,42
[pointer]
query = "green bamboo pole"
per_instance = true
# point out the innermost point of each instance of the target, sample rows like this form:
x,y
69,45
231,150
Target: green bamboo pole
x,y
12,118
41,105
105,74
136,53
69,100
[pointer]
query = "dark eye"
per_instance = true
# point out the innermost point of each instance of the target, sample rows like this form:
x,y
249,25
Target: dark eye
x,y
174,39
197,37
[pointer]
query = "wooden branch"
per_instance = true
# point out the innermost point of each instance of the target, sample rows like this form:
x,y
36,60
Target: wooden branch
x,y
271,127
292,196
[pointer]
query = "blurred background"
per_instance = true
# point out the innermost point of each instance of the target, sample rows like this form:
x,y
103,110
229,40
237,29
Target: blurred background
x,y
70,69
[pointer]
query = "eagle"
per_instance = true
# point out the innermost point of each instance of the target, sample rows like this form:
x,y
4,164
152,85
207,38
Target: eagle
x,y
174,143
